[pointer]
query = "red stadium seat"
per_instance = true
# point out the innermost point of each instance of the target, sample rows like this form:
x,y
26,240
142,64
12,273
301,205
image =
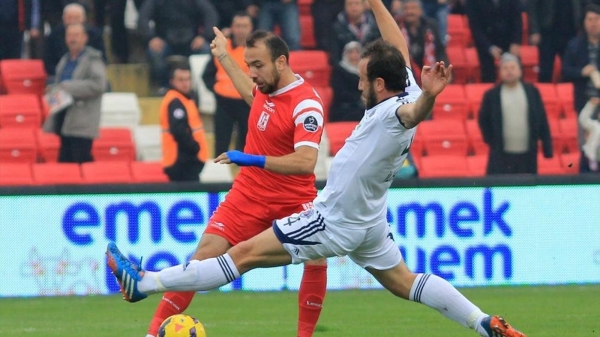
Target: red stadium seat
x,y
474,93
102,172
530,63
550,100
57,174
569,131
477,165
114,144
337,133
147,172
20,110
556,135
307,40
451,103
461,71
312,65
443,167
48,145
565,96
550,166
23,76
444,137
570,162
457,31
15,174
17,145
326,94
476,144
473,59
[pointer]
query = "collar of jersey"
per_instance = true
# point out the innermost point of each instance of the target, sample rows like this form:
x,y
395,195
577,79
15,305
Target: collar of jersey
x,y
288,87
404,94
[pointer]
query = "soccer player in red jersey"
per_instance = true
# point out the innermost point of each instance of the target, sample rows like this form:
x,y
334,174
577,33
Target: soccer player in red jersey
x,y
276,178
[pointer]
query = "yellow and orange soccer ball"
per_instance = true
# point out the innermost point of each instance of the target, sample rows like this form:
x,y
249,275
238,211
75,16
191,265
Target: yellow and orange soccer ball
x,y
181,326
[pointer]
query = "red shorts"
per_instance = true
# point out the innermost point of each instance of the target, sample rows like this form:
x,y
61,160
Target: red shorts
x,y
238,218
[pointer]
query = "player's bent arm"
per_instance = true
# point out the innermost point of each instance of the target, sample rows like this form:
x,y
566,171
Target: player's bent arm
x,y
389,29
412,114
301,161
242,82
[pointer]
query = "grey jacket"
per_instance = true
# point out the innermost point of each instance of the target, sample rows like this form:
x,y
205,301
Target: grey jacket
x,y
87,85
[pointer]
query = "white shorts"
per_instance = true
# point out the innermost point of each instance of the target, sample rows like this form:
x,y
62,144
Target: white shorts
x,y
308,236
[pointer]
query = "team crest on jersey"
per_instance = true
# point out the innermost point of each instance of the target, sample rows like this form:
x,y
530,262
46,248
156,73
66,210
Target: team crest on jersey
x,y
262,121
311,124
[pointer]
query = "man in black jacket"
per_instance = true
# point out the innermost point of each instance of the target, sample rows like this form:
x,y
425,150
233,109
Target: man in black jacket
x,y
182,27
552,23
355,23
496,26
15,18
512,119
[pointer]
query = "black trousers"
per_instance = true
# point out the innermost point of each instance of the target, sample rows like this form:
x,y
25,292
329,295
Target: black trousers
x,y
184,171
508,163
11,42
75,150
488,67
551,44
324,13
118,36
230,112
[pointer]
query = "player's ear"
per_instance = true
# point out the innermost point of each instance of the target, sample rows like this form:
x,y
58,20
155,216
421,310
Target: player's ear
x,y
281,62
379,84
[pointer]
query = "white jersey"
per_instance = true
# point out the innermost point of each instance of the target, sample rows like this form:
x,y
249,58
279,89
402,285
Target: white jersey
x,y
363,170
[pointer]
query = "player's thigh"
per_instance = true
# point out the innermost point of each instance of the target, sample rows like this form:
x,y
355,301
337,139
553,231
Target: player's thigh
x,y
261,251
211,246
237,219
293,209
307,236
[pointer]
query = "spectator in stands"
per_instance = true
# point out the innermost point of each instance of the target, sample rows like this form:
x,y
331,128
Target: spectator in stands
x,y
228,9
425,44
231,110
15,19
438,11
185,149
552,23
182,27
81,72
283,13
119,41
347,104
589,120
581,62
56,47
324,13
512,119
355,23
496,26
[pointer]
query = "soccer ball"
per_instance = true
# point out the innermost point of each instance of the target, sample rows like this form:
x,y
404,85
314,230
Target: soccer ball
x,y
181,326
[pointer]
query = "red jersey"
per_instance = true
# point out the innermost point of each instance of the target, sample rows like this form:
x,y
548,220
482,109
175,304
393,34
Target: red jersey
x,y
279,123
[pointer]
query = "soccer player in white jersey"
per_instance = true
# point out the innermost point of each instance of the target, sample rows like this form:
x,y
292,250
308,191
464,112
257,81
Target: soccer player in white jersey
x,y
349,216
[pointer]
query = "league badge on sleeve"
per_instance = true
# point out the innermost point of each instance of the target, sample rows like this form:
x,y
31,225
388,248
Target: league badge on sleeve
x,y
311,124
178,113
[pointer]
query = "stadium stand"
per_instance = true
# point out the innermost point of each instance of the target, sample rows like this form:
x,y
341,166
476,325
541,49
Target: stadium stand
x,y
48,145
445,137
120,109
148,143
215,173
337,133
20,110
15,174
103,172
443,166
474,93
147,172
114,144
313,65
451,103
17,145
23,76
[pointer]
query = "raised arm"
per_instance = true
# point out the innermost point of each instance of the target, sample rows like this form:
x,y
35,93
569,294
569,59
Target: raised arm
x,y
389,29
242,82
434,80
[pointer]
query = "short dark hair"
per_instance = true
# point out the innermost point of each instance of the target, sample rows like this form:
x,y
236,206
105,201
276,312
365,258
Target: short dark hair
x,y
178,65
241,14
276,46
386,62
594,8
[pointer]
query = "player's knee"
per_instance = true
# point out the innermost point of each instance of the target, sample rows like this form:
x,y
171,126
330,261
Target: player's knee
x,y
318,262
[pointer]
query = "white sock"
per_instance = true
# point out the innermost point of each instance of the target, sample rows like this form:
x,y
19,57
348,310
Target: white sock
x,y
196,275
437,293
149,336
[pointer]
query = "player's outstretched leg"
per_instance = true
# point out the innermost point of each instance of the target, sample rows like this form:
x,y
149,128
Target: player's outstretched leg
x,y
439,294
127,273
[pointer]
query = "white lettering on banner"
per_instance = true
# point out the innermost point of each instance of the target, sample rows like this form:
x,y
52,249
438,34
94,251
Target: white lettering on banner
x,y
470,236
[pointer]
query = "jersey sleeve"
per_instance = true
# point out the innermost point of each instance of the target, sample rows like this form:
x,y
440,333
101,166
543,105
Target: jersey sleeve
x,y
308,119
411,94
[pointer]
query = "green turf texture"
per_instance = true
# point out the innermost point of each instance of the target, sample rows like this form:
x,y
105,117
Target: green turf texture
x,y
548,311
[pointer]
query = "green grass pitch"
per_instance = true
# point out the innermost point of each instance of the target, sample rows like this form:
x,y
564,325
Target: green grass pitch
x,y
545,311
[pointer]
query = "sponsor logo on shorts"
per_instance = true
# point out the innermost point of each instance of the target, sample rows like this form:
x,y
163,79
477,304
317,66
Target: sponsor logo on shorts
x,y
296,251
218,225
307,214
